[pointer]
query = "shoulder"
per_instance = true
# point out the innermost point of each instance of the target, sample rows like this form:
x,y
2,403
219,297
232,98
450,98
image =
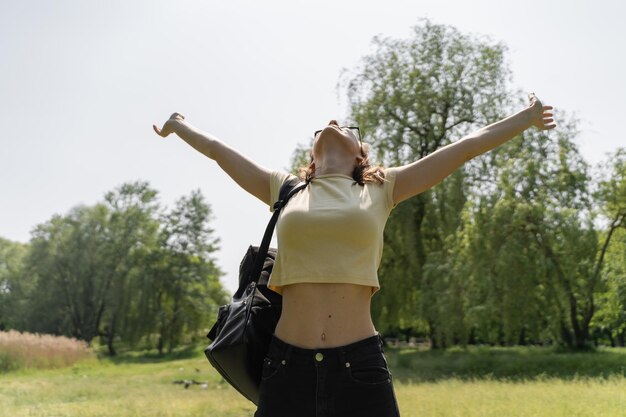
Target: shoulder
x,y
390,174
385,188
277,179
388,185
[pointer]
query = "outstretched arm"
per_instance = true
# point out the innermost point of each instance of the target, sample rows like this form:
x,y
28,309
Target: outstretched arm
x,y
421,175
251,177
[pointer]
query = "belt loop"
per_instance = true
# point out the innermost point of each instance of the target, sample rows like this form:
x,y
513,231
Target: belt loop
x,y
288,353
342,355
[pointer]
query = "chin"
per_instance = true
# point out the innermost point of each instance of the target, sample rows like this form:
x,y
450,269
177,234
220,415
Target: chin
x,y
334,142
331,134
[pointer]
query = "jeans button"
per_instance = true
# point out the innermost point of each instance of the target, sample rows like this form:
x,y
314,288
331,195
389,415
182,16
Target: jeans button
x,y
319,356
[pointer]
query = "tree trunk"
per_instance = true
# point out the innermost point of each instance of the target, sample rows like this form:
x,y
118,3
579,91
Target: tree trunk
x,y
111,336
522,337
162,335
160,345
566,335
472,336
432,334
609,333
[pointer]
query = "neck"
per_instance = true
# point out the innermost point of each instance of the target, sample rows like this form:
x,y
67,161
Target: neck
x,y
334,165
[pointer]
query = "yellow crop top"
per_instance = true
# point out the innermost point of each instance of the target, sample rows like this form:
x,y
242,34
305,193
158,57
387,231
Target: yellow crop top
x,y
331,231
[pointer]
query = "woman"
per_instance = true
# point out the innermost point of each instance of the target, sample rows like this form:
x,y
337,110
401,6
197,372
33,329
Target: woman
x,y
326,357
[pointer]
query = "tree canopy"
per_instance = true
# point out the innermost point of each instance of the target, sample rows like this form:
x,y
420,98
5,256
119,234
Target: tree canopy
x,y
124,270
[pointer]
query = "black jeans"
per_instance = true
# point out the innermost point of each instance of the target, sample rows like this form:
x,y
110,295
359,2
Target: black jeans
x,y
344,381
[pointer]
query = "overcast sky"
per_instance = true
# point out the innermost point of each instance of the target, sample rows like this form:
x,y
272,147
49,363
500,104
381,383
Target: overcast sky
x,y
81,83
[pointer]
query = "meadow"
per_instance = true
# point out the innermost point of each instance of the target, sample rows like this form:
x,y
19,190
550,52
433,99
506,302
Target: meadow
x,y
474,382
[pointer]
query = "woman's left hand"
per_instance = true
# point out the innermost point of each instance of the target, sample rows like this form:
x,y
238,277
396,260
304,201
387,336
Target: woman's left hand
x,y
541,116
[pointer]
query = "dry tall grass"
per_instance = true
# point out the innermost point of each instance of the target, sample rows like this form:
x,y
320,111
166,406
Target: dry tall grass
x,y
27,350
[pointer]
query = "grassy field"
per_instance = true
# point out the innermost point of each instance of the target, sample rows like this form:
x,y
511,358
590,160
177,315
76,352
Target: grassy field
x,y
485,382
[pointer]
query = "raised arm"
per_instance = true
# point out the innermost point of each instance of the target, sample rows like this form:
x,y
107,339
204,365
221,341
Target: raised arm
x,y
251,177
424,173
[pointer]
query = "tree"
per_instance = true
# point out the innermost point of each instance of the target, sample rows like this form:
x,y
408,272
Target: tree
x,y
64,265
123,270
505,250
130,234
12,283
188,290
84,264
412,97
611,194
535,244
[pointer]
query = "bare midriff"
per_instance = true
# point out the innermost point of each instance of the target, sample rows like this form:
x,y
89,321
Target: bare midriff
x,y
325,315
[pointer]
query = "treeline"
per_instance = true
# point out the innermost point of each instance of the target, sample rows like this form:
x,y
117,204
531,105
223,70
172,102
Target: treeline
x,y
126,271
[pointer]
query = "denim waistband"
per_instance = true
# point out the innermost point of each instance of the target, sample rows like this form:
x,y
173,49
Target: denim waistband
x,y
286,350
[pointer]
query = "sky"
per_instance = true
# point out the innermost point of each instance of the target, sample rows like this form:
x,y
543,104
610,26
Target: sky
x,y
82,82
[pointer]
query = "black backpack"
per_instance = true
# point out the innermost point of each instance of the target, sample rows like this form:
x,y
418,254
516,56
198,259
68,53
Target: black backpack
x,y
243,330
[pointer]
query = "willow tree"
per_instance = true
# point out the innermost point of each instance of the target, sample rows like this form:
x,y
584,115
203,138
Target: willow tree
x,y
531,241
412,97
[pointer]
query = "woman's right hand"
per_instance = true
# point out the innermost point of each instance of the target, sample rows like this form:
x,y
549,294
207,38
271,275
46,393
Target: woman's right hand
x,y
169,126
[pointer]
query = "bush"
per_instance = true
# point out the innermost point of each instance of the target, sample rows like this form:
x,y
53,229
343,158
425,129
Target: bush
x,y
27,350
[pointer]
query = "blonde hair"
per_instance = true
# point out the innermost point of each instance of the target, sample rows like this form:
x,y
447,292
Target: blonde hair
x,y
362,173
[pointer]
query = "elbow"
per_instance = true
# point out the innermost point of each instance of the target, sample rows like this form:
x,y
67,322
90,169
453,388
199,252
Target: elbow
x,y
469,147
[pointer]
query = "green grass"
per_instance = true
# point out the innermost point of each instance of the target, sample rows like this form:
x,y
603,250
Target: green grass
x,y
478,382
511,363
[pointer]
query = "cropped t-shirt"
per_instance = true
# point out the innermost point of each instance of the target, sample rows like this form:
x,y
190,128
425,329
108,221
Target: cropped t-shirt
x,y
331,231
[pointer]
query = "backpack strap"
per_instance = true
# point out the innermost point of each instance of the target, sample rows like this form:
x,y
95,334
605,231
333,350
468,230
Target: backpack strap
x,y
287,190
